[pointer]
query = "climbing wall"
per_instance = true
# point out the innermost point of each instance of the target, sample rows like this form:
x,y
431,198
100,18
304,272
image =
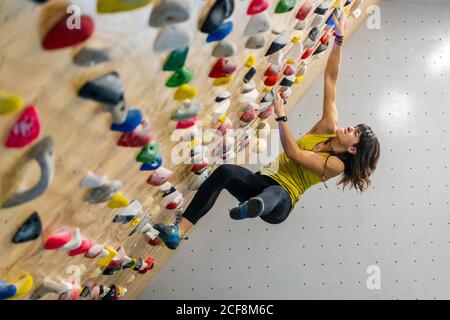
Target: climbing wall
x,y
335,244
80,129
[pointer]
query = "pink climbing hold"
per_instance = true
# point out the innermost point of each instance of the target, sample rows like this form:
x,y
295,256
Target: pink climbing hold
x,y
257,6
25,130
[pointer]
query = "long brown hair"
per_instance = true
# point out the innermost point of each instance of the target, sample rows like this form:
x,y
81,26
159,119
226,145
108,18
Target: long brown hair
x,y
359,166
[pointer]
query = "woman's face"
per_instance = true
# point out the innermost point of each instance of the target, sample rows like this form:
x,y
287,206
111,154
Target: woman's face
x,y
348,137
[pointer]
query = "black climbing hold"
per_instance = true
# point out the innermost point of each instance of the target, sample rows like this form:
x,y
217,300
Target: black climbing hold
x,y
314,33
321,48
87,57
40,1
85,292
279,43
249,75
105,89
110,294
171,190
221,10
30,230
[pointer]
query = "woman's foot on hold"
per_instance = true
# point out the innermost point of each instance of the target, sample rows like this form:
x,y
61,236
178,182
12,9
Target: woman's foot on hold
x,y
170,235
251,208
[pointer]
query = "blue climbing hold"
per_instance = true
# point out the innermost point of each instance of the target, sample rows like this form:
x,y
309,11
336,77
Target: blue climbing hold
x,y
152,166
134,118
221,32
7,290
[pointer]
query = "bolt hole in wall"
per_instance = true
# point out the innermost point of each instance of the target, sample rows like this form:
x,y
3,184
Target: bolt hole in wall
x,y
334,241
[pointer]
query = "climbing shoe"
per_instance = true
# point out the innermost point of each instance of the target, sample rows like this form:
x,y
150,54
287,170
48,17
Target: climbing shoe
x,y
251,208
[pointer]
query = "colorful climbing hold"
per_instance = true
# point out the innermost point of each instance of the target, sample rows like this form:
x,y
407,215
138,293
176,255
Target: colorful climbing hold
x,y
104,261
118,201
222,81
159,176
25,130
255,42
221,32
139,137
104,192
134,119
153,165
172,37
9,103
257,6
187,123
106,89
30,230
168,12
224,49
43,153
279,43
66,33
304,10
58,239
323,7
216,15
222,68
113,6
149,153
258,24
180,77
249,75
308,52
89,57
176,59
250,61
86,244
185,92
285,6
187,110
271,80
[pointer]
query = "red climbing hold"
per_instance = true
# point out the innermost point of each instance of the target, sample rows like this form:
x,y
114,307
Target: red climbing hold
x,y
150,264
58,239
304,11
25,130
307,53
325,38
154,242
222,68
271,71
139,137
257,6
65,33
86,244
271,80
289,71
187,124
199,166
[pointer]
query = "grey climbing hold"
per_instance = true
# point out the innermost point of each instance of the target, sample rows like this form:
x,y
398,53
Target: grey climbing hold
x,y
255,42
257,24
88,57
224,49
145,219
169,12
221,10
30,230
43,153
187,110
105,192
106,89
118,112
172,37
300,25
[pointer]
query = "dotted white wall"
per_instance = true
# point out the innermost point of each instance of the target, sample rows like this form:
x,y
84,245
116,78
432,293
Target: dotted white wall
x,y
395,79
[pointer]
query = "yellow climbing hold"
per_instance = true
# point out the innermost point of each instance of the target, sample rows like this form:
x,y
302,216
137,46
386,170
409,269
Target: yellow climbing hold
x,y
23,285
267,89
250,61
111,6
193,143
103,262
347,10
295,39
118,201
289,61
223,118
9,103
222,81
298,79
135,221
185,92
337,4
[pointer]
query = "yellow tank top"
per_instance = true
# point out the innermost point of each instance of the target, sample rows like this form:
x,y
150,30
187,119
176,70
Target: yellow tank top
x,y
292,176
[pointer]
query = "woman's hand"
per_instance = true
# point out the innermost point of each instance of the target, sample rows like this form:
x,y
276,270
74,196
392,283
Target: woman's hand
x,y
339,25
278,106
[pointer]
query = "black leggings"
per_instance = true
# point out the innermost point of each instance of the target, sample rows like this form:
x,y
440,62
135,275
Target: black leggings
x,y
243,185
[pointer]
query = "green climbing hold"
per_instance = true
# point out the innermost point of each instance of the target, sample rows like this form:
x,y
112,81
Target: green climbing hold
x,y
285,6
149,153
180,77
176,59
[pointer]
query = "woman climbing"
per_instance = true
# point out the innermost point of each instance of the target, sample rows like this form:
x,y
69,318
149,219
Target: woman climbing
x,y
321,154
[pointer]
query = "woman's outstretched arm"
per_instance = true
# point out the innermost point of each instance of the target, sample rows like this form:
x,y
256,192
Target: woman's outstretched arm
x,y
329,120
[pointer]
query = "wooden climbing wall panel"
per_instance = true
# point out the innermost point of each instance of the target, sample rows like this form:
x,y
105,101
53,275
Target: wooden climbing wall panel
x,y
80,130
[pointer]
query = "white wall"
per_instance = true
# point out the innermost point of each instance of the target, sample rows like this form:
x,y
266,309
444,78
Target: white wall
x,y
396,80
